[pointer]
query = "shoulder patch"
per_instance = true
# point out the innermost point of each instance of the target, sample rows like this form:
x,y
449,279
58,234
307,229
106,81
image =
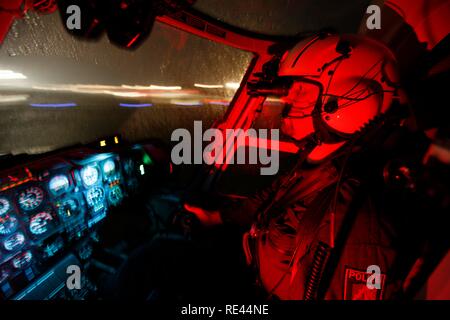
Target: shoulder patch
x,y
355,285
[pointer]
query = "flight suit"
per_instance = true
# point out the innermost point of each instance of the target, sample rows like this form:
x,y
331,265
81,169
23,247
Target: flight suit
x,y
282,250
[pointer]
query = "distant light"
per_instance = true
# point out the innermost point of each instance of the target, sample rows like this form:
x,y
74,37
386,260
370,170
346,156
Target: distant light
x,y
232,85
146,159
218,102
152,87
53,105
13,98
125,94
186,103
208,86
11,75
103,143
121,91
142,169
168,88
136,105
116,140
125,86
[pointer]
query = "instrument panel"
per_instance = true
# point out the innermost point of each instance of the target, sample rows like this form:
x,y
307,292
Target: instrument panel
x,y
47,205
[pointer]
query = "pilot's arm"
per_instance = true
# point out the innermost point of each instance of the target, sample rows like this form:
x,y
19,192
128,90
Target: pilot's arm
x,y
241,213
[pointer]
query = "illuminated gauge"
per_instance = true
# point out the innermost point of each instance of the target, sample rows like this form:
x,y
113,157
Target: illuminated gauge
x,y
31,198
115,195
68,208
8,224
14,242
95,196
22,260
89,174
109,167
59,184
4,206
39,223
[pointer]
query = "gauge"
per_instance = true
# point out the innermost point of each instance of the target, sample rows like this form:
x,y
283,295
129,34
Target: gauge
x,y
59,184
22,260
109,167
39,223
14,242
4,206
68,208
115,195
8,224
95,196
89,174
31,198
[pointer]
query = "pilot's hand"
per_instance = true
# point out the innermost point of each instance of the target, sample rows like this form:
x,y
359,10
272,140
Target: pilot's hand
x,y
206,218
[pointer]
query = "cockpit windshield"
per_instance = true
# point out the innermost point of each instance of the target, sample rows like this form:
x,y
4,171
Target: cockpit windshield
x,y
56,90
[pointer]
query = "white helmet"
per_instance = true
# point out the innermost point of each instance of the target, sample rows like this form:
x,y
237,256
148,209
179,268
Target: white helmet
x,y
340,82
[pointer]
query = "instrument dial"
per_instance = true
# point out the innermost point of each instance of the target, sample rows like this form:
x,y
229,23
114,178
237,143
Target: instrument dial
x,y
95,196
8,224
39,223
59,184
14,242
89,175
4,206
31,198
115,195
109,167
68,208
22,260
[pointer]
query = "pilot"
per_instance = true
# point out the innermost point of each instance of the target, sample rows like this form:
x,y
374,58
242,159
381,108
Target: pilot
x,y
325,230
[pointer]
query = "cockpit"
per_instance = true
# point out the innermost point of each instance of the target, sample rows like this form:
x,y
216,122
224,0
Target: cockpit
x,y
51,208
170,150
